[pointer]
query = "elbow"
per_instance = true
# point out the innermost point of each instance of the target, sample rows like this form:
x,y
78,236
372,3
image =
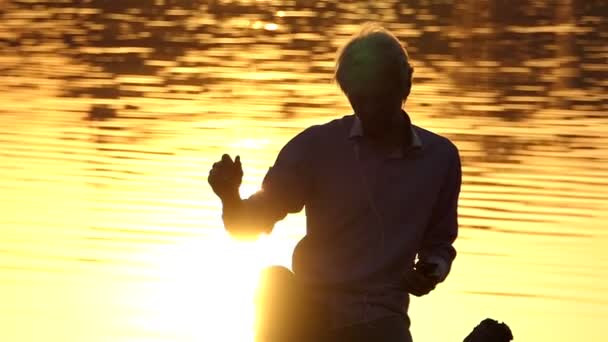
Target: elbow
x,y
245,232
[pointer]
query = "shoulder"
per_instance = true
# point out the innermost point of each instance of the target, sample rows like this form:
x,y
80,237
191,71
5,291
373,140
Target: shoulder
x,y
334,126
333,129
437,144
314,139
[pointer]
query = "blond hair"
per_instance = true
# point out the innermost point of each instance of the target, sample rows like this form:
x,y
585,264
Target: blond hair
x,y
372,61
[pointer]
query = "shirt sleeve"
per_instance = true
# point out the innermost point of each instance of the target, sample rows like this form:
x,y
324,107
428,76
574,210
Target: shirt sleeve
x,y
442,231
285,188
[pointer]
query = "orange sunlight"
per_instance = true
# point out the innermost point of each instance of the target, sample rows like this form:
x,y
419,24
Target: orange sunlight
x,y
206,289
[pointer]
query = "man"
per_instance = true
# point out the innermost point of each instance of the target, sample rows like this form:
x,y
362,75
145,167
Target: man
x,y
380,195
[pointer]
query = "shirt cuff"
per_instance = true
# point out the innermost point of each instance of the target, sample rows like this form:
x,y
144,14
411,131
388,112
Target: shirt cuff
x,y
442,269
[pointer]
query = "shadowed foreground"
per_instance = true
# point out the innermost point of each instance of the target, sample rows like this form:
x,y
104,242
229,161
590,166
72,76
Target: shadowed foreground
x,y
286,313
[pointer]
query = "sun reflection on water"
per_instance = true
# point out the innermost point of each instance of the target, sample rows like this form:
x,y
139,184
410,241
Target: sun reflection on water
x,y
205,290
112,114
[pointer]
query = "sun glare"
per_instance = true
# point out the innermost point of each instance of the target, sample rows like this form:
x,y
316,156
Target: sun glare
x,y
206,288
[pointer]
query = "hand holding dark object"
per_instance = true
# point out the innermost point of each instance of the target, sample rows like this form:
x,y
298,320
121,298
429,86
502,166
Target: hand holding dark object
x,y
428,269
226,176
421,280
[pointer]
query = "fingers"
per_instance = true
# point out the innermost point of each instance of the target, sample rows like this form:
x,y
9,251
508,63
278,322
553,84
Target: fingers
x,y
225,175
227,163
418,284
420,290
213,178
224,163
424,290
226,169
226,159
238,166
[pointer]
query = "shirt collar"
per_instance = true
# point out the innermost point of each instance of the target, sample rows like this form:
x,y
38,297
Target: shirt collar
x,y
356,130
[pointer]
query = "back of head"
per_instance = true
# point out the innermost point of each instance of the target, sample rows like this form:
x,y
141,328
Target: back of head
x,y
374,62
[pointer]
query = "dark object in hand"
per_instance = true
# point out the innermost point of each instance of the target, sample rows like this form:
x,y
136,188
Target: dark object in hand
x,y
427,269
490,330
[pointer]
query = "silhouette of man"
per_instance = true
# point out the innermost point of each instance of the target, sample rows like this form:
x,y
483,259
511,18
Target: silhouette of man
x,y
380,193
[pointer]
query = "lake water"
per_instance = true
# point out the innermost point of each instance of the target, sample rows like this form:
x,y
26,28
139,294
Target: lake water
x,y
112,113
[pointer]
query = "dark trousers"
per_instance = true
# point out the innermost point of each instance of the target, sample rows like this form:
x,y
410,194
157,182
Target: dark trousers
x,y
387,329
286,313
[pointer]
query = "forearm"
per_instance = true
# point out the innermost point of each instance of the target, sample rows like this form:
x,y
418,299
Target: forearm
x,y
438,244
241,219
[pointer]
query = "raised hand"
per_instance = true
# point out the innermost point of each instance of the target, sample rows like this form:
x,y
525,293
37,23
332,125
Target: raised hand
x,y
225,177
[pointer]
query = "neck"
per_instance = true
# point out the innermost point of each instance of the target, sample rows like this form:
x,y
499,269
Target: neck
x,y
394,137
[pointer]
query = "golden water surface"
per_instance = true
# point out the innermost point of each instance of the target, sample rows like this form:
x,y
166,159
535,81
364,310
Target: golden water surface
x,y
112,112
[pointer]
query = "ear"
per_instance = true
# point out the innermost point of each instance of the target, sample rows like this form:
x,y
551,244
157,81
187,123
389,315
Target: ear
x,y
406,91
410,78
410,75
